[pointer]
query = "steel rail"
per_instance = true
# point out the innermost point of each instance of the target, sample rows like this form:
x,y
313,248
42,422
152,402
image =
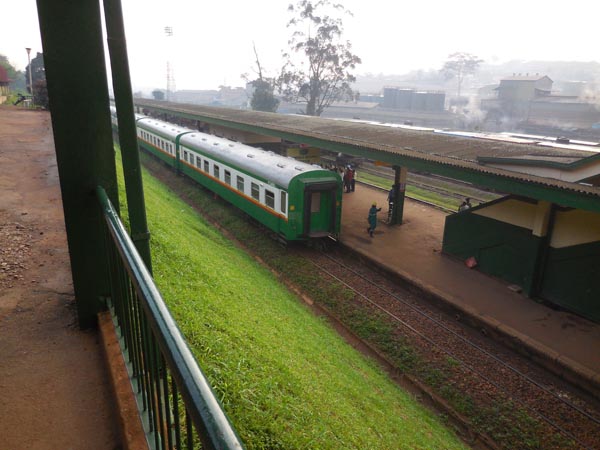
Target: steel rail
x,y
418,200
436,345
467,341
216,432
428,187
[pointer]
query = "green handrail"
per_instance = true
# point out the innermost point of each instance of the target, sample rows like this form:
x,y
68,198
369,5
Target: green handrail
x,y
202,406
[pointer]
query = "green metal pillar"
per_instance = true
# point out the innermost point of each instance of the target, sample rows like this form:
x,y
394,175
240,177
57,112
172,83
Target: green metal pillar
x,y
400,178
117,48
79,104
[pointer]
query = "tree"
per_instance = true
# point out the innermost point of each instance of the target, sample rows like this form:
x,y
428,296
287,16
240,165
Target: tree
x,y
460,65
324,74
40,89
38,73
16,77
158,94
263,96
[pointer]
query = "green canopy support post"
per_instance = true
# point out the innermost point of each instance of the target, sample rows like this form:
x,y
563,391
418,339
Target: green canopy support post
x,y
117,48
400,177
78,94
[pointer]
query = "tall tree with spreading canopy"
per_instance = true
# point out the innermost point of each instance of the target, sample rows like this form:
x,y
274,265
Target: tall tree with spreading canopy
x,y
318,70
459,65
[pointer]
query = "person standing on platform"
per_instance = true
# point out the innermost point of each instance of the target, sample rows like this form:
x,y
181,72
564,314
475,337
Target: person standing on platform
x,y
353,179
465,205
347,177
391,197
372,218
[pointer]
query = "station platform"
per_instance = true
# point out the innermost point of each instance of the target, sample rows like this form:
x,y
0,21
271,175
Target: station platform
x,y
55,391
561,341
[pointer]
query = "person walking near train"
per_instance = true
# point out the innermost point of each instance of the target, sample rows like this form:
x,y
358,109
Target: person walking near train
x,y
372,218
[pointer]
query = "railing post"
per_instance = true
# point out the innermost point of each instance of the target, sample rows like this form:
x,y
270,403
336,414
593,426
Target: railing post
x,y
79,103
117,48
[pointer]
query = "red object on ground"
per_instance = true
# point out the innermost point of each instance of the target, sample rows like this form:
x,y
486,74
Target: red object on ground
x,y
470,262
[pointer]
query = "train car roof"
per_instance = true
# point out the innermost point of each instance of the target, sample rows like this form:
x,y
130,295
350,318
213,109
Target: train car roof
x,y
164,128
113,112
270,166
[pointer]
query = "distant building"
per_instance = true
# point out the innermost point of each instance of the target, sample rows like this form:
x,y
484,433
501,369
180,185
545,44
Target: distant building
x,y
529,99
4,82
408,99
226,96
514,95
520,88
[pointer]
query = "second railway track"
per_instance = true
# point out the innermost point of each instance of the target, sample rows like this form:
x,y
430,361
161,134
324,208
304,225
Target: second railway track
x,y
484,371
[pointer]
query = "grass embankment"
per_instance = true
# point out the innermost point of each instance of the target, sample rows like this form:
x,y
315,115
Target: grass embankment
x,y
286,379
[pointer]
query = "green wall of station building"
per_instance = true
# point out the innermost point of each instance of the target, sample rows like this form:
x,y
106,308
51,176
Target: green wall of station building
x,y
501,249
568,277
571,279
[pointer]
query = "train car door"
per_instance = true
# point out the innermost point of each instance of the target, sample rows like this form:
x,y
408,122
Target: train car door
x,y
319,209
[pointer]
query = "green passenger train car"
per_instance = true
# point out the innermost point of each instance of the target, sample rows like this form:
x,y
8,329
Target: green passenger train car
x,y
295,200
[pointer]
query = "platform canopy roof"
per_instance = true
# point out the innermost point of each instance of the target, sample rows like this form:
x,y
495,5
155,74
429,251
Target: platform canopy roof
x,y
455,156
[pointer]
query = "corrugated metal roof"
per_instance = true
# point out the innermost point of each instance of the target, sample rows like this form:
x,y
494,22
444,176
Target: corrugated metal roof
x,y
525,78
457,151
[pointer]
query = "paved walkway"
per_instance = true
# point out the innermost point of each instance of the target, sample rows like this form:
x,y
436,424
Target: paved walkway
x,y
54,388
413,250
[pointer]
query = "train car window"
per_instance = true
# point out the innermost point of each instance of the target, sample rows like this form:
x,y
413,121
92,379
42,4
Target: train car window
x,y
216,171
255,191
228,177
240,183
206,166
198,162
283,205
270,199
315,202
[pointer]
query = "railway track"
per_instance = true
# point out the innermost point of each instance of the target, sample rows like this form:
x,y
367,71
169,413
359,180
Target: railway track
x,y
435,184
482,369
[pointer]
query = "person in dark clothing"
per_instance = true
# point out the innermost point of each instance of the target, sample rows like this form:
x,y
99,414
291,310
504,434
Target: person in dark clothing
x,y
353,179
372,218
391,197
465,205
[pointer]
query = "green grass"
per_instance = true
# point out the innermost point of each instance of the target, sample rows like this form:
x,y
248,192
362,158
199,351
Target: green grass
x,y
285,378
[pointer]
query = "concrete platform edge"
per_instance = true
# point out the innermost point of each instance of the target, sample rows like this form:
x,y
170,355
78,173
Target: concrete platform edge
x,y
562,366
130,424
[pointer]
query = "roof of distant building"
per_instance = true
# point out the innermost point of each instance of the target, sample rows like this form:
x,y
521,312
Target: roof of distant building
x,y
525,78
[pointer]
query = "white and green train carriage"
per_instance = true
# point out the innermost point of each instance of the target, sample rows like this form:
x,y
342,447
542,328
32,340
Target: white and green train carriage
x,y
295,200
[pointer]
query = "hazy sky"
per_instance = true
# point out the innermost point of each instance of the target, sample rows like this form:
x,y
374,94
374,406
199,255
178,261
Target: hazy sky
x,y
212,42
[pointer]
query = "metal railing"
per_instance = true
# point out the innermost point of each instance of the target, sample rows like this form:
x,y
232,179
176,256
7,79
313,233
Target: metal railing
x,y
177,406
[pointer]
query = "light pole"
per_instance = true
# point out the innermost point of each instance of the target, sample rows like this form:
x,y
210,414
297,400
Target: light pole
x,y
30,78
170,75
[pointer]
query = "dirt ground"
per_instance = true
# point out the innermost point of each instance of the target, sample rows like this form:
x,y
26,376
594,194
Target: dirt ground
x,y
54,388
